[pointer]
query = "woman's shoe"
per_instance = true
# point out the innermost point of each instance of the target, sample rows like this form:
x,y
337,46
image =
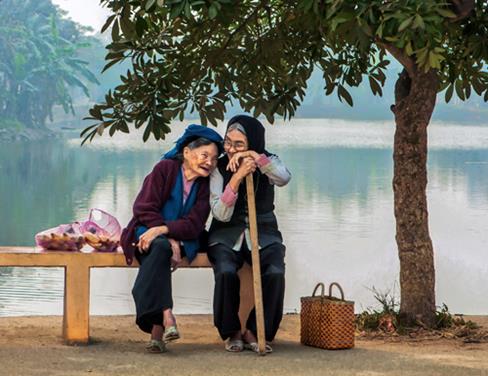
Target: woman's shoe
x,y
234,345
253,346
156,347
251,343
171,334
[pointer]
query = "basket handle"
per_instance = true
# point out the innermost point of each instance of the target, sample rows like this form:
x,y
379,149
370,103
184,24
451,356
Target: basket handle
x,y
338,286
320,284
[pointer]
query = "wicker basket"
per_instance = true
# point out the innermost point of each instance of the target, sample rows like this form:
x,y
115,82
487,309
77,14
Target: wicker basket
x,y
325,321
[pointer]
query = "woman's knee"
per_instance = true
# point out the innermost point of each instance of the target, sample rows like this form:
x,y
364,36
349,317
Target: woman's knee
x,y
224,262
273,259
225,271
275,272
161,248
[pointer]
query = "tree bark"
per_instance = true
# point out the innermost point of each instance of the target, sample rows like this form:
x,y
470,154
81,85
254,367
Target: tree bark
x,y
414,103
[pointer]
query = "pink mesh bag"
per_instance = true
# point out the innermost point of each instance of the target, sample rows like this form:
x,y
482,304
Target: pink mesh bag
x,y
101,231
102,223
66,237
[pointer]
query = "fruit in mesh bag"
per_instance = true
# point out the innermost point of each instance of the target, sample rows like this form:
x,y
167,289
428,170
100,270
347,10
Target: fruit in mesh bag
x,y
101,243
62,242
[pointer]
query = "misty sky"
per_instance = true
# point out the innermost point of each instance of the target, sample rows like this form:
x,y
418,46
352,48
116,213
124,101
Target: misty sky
x,y
85,12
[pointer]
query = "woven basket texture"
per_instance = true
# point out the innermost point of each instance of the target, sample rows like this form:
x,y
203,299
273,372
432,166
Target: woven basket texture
x,y
327,322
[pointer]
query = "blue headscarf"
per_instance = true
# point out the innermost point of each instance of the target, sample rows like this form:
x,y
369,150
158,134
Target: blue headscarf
x,y
192,132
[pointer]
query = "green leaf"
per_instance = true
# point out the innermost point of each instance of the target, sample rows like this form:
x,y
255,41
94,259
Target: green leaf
x,y
115,31
379,31
108,65
87,129
418,22
149,4
405,24
96,113
306,5
141,26
477,86
434,60
88,136
100,129
409,49
147,131
123,127
422,56
188,8
449,92
446,13
343,93
459,89
176,10
128,28
375,86
114,55
212,11
107,23
112,129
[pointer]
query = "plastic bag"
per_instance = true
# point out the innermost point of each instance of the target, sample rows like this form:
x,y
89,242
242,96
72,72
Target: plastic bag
x,y
101,231
65,237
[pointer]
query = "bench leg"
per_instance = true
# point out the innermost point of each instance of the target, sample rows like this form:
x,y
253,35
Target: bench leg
x,y
76,304
247,294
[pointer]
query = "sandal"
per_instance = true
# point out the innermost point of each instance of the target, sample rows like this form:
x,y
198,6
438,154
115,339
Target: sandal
x,y
253,346
156,346
171,334
235,345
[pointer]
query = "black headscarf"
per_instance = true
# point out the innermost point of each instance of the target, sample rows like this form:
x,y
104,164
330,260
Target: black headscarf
x,y
264,191
254,132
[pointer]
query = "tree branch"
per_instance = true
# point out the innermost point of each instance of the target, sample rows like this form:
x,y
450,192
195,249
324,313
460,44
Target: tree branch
x,y
407,62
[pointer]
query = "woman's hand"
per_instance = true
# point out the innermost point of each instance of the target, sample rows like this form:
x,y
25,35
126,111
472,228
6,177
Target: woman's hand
x,y
235,161
176,258
246,167
146,239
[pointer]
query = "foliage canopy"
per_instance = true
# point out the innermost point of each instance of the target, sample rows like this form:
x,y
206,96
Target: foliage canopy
x,y
202,55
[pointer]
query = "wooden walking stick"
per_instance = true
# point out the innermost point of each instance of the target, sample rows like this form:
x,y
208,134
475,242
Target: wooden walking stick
x,y
256,264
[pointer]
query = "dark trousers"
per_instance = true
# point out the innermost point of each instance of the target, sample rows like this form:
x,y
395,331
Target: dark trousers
x,y
152,288
226,262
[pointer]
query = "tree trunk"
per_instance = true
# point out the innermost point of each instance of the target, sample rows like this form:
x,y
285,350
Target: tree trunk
x,y
414,103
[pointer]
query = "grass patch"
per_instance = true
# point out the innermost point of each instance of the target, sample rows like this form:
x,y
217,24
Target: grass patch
x,y
384,322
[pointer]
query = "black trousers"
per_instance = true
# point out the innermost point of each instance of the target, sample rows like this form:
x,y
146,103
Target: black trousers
x,y
226,262
152,289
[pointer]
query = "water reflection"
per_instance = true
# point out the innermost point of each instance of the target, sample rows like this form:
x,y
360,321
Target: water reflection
x,y
336,216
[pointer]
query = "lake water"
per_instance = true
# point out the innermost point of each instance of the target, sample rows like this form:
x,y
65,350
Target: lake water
x,y
336,214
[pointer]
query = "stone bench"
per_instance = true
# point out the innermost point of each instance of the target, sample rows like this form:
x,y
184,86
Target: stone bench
x,y
77,265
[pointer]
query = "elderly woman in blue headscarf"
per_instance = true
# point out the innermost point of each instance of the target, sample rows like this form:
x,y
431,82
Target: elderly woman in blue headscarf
x,y
169,216
229,241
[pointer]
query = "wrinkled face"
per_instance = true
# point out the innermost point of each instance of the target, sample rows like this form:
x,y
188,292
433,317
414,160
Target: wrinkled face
x,y
234,142
201,160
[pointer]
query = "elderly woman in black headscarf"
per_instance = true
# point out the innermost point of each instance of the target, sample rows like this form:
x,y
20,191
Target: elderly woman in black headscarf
x,y
229,240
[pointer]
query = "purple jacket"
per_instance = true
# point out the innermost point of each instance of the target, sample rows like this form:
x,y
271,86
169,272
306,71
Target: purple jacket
x,y
155,190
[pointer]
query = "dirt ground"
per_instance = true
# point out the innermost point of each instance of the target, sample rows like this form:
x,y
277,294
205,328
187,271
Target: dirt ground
x,y
34,346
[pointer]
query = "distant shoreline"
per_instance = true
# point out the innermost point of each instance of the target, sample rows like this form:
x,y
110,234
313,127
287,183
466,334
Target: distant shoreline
x,y
28,134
